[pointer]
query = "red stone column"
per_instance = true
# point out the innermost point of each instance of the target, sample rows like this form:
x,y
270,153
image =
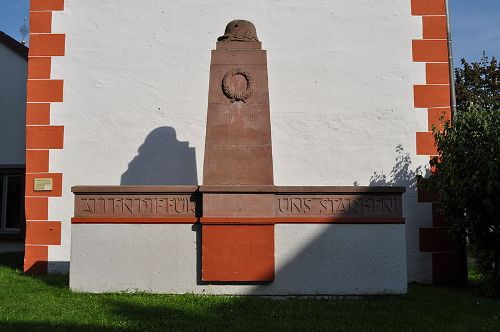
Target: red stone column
x,y
237,244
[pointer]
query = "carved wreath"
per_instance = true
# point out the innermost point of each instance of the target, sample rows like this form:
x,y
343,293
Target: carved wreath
x,y
232,93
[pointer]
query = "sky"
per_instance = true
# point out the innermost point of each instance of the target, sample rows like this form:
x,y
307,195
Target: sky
x,y
475,25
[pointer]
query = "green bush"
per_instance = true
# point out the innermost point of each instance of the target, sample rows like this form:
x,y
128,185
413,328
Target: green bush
x,y
467,178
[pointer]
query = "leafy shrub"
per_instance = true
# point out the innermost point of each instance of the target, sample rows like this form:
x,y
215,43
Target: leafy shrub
x,y
467,178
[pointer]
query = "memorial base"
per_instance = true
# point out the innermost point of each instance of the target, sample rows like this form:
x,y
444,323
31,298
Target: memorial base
x,y
283,240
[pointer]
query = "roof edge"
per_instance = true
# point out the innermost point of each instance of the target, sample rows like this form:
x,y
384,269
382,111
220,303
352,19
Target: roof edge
x,y
14,45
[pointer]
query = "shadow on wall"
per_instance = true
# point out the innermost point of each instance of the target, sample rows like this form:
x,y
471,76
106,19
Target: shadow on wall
x,y
401,174
368,248
162,160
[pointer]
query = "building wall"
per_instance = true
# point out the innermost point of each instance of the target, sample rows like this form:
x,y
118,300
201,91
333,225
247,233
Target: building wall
x,y
341,77
13,69
311,259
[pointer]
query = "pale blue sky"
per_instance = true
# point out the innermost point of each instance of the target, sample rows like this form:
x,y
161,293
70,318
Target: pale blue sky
x,y
475,25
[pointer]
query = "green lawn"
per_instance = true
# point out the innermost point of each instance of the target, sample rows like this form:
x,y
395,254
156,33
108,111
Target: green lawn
x,y
46,304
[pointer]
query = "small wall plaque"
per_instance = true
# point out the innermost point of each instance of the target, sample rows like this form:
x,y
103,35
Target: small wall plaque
x,y
43,184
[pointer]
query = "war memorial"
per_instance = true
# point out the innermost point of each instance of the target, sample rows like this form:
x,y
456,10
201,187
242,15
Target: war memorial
x,y
297,177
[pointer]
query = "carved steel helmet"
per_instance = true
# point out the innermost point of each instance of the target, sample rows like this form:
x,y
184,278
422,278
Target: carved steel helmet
x,y
239,30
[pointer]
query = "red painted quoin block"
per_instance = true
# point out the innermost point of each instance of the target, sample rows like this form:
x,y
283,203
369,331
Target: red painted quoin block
x,y
47,5
40,22
37,114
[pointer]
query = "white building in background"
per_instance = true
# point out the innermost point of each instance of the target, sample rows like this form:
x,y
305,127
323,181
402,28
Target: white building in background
x,y
13,72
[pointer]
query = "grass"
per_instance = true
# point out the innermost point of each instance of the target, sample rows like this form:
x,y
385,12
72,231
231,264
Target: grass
x,y
46,304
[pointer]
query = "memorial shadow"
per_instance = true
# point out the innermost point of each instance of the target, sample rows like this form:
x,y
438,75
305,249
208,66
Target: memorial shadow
x,y
162,160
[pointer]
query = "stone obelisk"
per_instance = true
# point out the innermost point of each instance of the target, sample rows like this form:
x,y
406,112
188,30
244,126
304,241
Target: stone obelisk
x,y
238,241
238,137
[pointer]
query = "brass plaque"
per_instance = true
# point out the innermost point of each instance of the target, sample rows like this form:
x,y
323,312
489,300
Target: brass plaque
x,y
43,184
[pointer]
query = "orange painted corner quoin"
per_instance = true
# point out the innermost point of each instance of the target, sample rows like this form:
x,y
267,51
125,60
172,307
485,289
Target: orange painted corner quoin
x,y
37,208
40,5
36,259
425,144
44,137
47,44
44,91
40,136
37,161
39,67
430,50
428,7
434,27
437,117
447,267
43,232
41,22
37,114
56,185
437,73
427,96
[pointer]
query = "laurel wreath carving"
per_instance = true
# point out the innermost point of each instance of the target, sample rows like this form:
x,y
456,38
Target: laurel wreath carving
x,y
232,93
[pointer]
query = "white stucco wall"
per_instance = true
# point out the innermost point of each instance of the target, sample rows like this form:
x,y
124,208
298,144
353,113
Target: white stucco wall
x,y
13,71
310,260
340,78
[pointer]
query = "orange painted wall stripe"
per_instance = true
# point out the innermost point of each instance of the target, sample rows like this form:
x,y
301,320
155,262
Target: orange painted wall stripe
x,y
35,259
425,143
44,137
45,91
43,232
37,208
437,117
434,27
39,67
431,96
47,45
428,7
37,114
37,161
40,22
425,50
47,5
437,73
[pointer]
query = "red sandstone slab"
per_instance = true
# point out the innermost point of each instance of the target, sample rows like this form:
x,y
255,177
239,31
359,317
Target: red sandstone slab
x,y
237,205
258,75
135,206
235,57
238,45
238,253
233,165
238,124
134,189
300,189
